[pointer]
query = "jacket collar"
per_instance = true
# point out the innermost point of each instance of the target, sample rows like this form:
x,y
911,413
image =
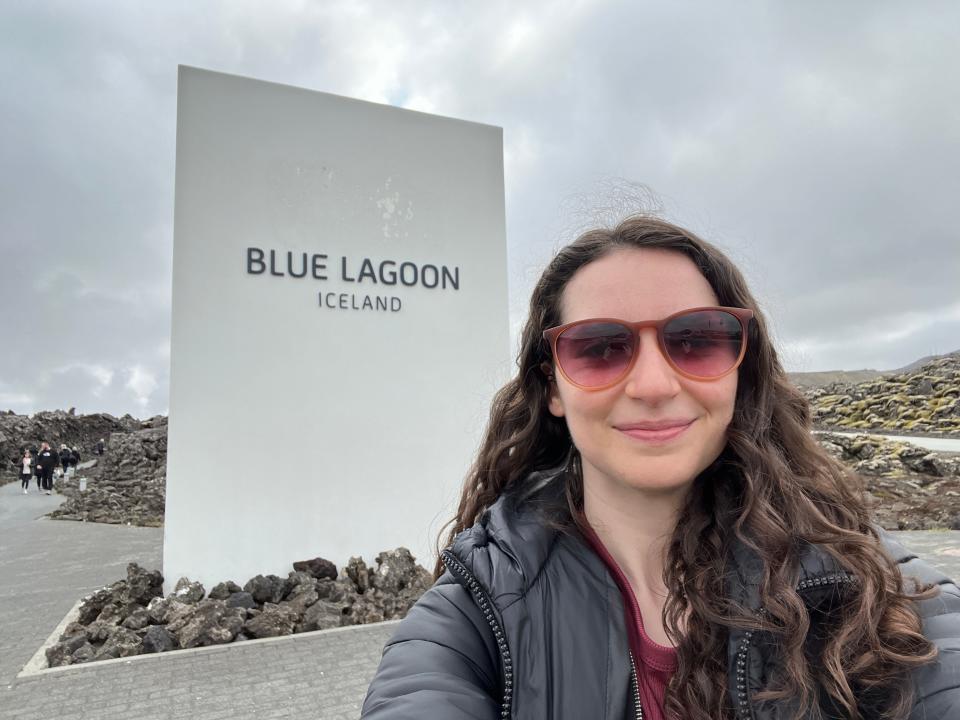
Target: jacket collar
x,y
509,545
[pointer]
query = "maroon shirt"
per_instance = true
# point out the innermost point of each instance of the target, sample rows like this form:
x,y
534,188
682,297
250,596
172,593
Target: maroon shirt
x,y
655,663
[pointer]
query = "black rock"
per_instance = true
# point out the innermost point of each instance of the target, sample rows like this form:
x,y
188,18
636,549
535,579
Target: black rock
x,y
317,567
120,643
223,590
98,631
60,653
158,639
395,570
92,605
274,621
299,582
157,610
356,572
322,615
366,609
143,586
188,592
137,620
300,602
84,653
209,622
266,588
241,600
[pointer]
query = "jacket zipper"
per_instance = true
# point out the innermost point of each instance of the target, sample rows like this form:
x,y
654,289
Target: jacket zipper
x,y
636,688
744,711
486,607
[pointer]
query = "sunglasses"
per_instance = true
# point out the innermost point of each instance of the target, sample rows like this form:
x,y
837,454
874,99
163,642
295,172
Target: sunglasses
x,y
703,343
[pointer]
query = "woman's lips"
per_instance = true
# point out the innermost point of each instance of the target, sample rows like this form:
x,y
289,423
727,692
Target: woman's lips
x,y
661,435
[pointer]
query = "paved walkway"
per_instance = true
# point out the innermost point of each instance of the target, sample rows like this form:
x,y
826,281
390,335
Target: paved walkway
x,y
46,565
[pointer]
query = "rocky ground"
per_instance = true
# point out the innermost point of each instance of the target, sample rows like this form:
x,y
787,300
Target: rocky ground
x,y
908,487
921,401
128,483
131,617
58,428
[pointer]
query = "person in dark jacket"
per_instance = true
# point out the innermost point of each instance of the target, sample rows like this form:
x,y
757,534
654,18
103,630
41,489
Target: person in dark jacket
x,y
651,531
98,449
38,472
47,461
64,458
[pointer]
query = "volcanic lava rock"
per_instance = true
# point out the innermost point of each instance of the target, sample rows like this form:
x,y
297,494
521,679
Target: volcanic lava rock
x,y
317,567
322,615
84,653
131,616
137,620
907,487
158,639
275,620
241,600
127,485
923,400
266,588
61,653
209,622
188,592
223,590
58,428
120,643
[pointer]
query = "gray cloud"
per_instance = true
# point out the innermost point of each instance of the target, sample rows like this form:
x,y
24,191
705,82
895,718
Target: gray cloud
x,y
817,143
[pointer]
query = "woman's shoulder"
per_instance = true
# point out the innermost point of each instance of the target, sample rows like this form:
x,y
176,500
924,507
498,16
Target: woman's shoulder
x,y
514,538
911,565
938,683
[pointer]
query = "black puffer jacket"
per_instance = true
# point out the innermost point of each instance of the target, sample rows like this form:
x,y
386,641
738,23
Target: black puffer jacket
x,y
527,623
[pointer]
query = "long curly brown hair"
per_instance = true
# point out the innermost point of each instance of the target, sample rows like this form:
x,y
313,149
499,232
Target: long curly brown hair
x,y
773,488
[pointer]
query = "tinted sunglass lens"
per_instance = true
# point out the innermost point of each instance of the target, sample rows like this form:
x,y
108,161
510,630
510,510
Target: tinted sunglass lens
x,y
595,354
705,343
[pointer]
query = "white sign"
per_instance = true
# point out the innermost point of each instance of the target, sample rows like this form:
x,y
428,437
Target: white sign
x,y
339,325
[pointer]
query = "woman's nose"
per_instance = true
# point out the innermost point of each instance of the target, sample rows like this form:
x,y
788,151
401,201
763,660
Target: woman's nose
x,y
651,378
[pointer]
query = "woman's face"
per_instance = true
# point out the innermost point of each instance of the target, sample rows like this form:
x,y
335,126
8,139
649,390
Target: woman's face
x,y
643,284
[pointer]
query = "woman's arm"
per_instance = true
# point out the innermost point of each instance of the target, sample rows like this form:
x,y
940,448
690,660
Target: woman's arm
x,y
442,662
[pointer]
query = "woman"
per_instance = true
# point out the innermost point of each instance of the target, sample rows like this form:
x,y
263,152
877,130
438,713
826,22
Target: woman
x,y
650,529
25,469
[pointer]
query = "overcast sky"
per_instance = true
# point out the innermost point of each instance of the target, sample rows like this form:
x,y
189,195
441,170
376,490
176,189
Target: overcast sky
x,y
817,142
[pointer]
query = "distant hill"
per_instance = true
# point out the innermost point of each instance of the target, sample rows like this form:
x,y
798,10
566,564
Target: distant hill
x,y
811,380
923,361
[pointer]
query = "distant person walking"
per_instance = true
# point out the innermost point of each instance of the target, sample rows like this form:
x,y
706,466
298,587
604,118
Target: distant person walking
x,y
64,458
25,469
47,460
38,472
74,457
100,445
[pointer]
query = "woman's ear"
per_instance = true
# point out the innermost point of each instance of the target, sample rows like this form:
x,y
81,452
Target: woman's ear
x,y
554,404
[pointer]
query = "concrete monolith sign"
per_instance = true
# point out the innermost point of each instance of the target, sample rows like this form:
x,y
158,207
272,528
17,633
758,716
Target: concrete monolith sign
x,y
339,325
